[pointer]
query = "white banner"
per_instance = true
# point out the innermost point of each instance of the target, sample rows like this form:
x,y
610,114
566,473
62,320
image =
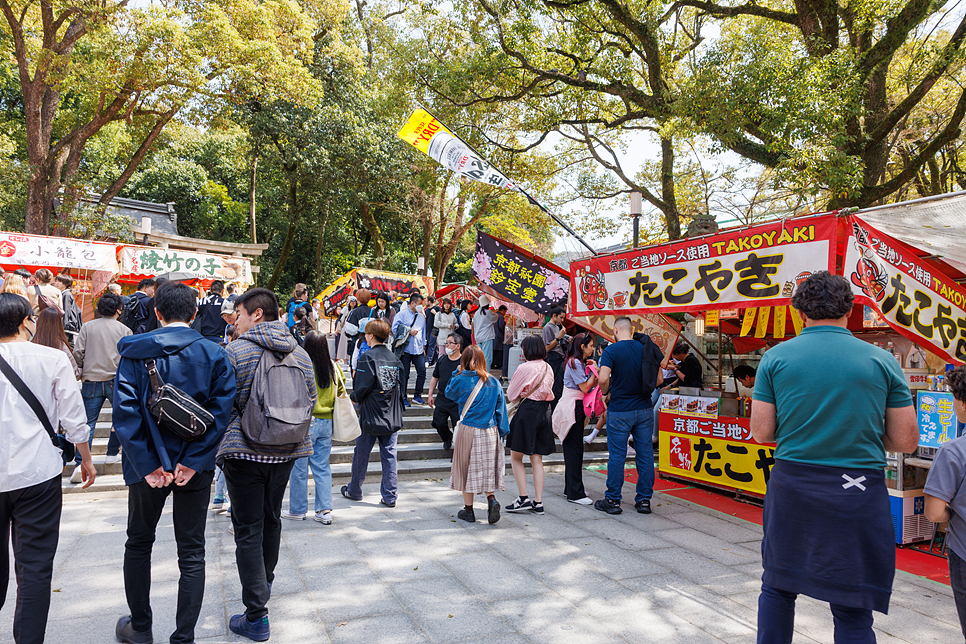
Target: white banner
x,y
148,262
57,252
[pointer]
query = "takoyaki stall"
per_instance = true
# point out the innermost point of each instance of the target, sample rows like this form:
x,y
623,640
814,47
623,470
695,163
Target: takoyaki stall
x,y
909,300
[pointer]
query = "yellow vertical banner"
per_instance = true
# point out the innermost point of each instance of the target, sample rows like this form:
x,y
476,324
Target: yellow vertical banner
x,y
761,328
780,312
748,321
711,318
797,321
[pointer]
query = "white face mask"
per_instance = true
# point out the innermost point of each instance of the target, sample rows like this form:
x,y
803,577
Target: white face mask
x,y
451,352
419,308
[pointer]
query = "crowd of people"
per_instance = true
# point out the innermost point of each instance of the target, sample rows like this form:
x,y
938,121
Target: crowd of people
x,y
234,390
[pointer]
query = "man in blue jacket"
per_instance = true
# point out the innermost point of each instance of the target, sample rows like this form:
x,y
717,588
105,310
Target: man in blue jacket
x,y
155,458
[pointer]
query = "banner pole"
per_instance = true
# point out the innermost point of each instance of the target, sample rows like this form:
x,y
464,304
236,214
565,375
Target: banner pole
x,y
527,195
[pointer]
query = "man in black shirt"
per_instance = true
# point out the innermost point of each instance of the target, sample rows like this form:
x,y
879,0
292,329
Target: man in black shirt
x,y
687,371
444,409
209,322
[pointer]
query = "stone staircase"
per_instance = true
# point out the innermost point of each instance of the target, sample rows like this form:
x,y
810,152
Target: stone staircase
x,y
419,452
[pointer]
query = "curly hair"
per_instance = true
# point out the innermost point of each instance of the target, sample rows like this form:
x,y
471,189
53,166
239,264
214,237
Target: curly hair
x,y
824,296
956,379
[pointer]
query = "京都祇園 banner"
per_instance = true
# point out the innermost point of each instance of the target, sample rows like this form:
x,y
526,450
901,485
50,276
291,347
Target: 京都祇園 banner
x,y
912,294
18,250
750,267
516,277
138,261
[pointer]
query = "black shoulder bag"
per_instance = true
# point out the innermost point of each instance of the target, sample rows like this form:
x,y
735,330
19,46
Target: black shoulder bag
x,y
59,440
175,410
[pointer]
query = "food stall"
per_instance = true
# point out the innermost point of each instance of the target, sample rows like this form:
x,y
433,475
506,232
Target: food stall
x,y
907,300
140,262
336,294
92,264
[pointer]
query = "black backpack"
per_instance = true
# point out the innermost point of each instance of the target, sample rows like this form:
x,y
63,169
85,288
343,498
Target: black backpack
x,y
650,363
72,314
133,313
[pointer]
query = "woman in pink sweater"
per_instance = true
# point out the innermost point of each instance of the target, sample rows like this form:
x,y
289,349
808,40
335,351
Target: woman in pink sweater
x,y
531,431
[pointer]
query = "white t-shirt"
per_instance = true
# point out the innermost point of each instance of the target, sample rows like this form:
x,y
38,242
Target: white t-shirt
x,y
27,454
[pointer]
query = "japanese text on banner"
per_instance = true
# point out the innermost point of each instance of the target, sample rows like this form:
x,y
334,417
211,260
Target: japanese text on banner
x,y
516,277
918,300
753,267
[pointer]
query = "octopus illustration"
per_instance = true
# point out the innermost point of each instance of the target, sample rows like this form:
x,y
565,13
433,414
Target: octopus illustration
x,y
870,277
593,292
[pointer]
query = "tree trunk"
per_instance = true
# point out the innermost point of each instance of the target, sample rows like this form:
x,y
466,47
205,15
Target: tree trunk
x,y
378,241
294,216
671,214
318,253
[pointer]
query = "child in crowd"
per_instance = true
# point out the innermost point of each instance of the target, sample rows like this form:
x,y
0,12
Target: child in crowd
x,y
946,495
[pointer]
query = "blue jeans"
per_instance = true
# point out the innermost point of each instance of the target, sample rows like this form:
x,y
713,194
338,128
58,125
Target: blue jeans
x,y
620,425
298,481
94,395
487,348
360,463
655,402
776,619
219,484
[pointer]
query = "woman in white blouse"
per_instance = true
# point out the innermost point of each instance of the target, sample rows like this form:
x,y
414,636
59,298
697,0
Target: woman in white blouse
x,y
445,323
30,465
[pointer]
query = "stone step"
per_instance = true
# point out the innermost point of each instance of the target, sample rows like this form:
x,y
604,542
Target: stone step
x,y
109,476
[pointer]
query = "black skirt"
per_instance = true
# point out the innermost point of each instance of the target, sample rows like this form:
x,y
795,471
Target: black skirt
x,y
829,534
531,430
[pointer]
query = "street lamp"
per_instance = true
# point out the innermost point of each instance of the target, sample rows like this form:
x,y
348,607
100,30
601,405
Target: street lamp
x,y
145,229
636,214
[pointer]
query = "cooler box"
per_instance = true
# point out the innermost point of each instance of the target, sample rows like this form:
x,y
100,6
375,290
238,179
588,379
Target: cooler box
x,y
516,359
908,516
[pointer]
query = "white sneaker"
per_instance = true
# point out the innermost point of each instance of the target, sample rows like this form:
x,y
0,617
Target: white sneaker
x,y
584,501
231,528
112,459
589,438
292,516
325,518
77,476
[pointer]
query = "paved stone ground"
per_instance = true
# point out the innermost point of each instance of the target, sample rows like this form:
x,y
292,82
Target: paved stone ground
x,y
414,574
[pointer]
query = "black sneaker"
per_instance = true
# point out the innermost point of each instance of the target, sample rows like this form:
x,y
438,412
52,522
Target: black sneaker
x,y
608,506
493,513
345,493
388,504
643,507
536,508
520,506
126,634
466,515
447,445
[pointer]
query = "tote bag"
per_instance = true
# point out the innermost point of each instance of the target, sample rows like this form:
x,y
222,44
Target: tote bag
x,y
345,423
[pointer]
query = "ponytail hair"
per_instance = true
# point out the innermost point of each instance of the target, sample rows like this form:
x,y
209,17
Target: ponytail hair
x,y
575,353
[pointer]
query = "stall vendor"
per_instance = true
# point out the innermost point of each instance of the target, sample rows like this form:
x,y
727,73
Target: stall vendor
x,y
687,369
745,375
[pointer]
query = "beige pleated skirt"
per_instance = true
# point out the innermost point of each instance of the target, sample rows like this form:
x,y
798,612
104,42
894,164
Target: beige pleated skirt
x,y
478,460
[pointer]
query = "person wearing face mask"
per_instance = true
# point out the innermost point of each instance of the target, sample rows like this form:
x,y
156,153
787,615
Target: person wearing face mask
x,y
412,317
445,411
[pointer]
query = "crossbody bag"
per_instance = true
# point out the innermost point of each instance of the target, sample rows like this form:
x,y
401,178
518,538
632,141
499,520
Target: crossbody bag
x,y
174,410
59,440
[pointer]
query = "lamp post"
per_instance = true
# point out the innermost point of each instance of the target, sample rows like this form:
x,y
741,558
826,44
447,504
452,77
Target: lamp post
x,y
636,214
145,229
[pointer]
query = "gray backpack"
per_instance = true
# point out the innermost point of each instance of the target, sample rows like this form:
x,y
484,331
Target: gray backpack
x,y
279,410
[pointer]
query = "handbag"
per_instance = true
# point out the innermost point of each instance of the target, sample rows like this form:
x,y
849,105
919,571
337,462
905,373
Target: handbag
x,y
594,400
176,411
44,302
345,422
514,405
59,440
466,408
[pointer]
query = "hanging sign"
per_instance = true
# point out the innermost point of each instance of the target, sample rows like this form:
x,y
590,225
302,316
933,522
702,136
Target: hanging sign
x,y
384,281
517,278
913,296
336,295
663,330
747,268
139,260
17,250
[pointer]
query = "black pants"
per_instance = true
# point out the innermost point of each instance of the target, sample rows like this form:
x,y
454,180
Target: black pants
x,y
30,517
256,491
445,412
420,362
144,506
957,579
573,453
556,362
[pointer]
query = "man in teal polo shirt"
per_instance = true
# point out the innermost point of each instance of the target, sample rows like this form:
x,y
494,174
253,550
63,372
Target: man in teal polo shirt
x,y
834,405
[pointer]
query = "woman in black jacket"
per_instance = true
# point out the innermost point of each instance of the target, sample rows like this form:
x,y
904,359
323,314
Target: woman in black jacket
x,y
376,389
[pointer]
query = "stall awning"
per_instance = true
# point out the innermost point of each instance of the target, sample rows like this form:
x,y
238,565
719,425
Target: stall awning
x,y
935,226
18,250
138,262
